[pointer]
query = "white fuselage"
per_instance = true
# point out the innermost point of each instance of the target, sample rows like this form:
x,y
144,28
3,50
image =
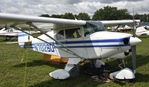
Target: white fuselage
x,y
101,44
141,31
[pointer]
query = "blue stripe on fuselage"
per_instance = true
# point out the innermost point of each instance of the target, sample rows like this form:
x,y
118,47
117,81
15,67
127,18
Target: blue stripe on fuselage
x,y
90,46
91,41
22,35
85,41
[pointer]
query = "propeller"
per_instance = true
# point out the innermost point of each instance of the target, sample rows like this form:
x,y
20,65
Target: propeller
x,y
133,47
133,42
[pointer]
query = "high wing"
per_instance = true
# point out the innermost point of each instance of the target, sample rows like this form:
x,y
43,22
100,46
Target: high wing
x,y
119,22
50,23
55,23
113,22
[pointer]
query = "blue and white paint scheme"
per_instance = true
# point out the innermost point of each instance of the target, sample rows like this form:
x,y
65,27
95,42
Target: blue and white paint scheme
x,y
101,44
84,39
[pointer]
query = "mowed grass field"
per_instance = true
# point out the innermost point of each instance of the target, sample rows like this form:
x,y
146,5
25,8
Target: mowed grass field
x,y
13,72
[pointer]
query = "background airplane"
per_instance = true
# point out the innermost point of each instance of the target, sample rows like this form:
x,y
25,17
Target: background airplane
x,y
125,28
10,33
141,31
120,28
145,24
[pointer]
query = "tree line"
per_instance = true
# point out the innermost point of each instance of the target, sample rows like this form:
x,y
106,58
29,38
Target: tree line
x,y
80,16
106,13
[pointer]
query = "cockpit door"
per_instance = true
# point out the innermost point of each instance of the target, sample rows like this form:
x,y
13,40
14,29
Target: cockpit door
x,y
75,41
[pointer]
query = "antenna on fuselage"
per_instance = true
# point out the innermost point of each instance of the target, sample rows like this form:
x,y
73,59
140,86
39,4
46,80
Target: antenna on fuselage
x,y
75,17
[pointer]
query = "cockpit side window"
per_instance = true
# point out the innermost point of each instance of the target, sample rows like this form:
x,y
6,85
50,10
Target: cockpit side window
x,y
73,33
60,35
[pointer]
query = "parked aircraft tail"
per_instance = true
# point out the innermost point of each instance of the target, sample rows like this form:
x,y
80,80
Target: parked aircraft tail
x,y
27,41
140,31
24,39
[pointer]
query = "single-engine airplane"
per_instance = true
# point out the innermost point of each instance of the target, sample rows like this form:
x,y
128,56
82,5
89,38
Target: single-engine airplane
x,y
125,28
141,31
11,33
73,39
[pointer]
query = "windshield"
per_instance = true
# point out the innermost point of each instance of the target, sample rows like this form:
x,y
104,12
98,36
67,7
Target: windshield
x,y
92,27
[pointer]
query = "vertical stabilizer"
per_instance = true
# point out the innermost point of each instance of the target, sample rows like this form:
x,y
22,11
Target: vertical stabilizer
x,y
23,38
140,31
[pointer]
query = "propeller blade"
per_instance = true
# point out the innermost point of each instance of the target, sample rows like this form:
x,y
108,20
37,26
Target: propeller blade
x,y
133,48
134,27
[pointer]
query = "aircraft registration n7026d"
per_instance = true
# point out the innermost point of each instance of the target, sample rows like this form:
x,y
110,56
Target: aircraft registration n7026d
x,y
75,39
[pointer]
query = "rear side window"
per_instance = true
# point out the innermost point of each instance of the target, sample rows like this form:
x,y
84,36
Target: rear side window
x,y
60,35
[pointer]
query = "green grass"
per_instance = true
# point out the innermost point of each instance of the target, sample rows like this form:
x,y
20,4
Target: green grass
x,y
12,70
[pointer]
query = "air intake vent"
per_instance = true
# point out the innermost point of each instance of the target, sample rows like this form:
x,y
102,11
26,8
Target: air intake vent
x,y
126,41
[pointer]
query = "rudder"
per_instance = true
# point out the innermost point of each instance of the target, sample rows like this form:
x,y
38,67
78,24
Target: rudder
x,y
23,38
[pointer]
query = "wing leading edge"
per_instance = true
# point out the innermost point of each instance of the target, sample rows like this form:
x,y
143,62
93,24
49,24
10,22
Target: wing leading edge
x,y
22,18
10,19
117,22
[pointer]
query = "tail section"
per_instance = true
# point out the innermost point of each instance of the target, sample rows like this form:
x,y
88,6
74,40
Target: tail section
x,y
140,31
43,47
27,41
24,39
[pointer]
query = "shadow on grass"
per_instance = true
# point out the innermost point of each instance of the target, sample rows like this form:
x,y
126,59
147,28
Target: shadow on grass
x,y
85,80
81,81
142,77
140,61
40,63
145,36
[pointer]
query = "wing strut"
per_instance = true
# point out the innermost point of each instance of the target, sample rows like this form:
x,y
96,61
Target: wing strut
x,y
66,49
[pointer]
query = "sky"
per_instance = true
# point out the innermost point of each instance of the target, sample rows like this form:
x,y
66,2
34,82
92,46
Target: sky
x,y
38,7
